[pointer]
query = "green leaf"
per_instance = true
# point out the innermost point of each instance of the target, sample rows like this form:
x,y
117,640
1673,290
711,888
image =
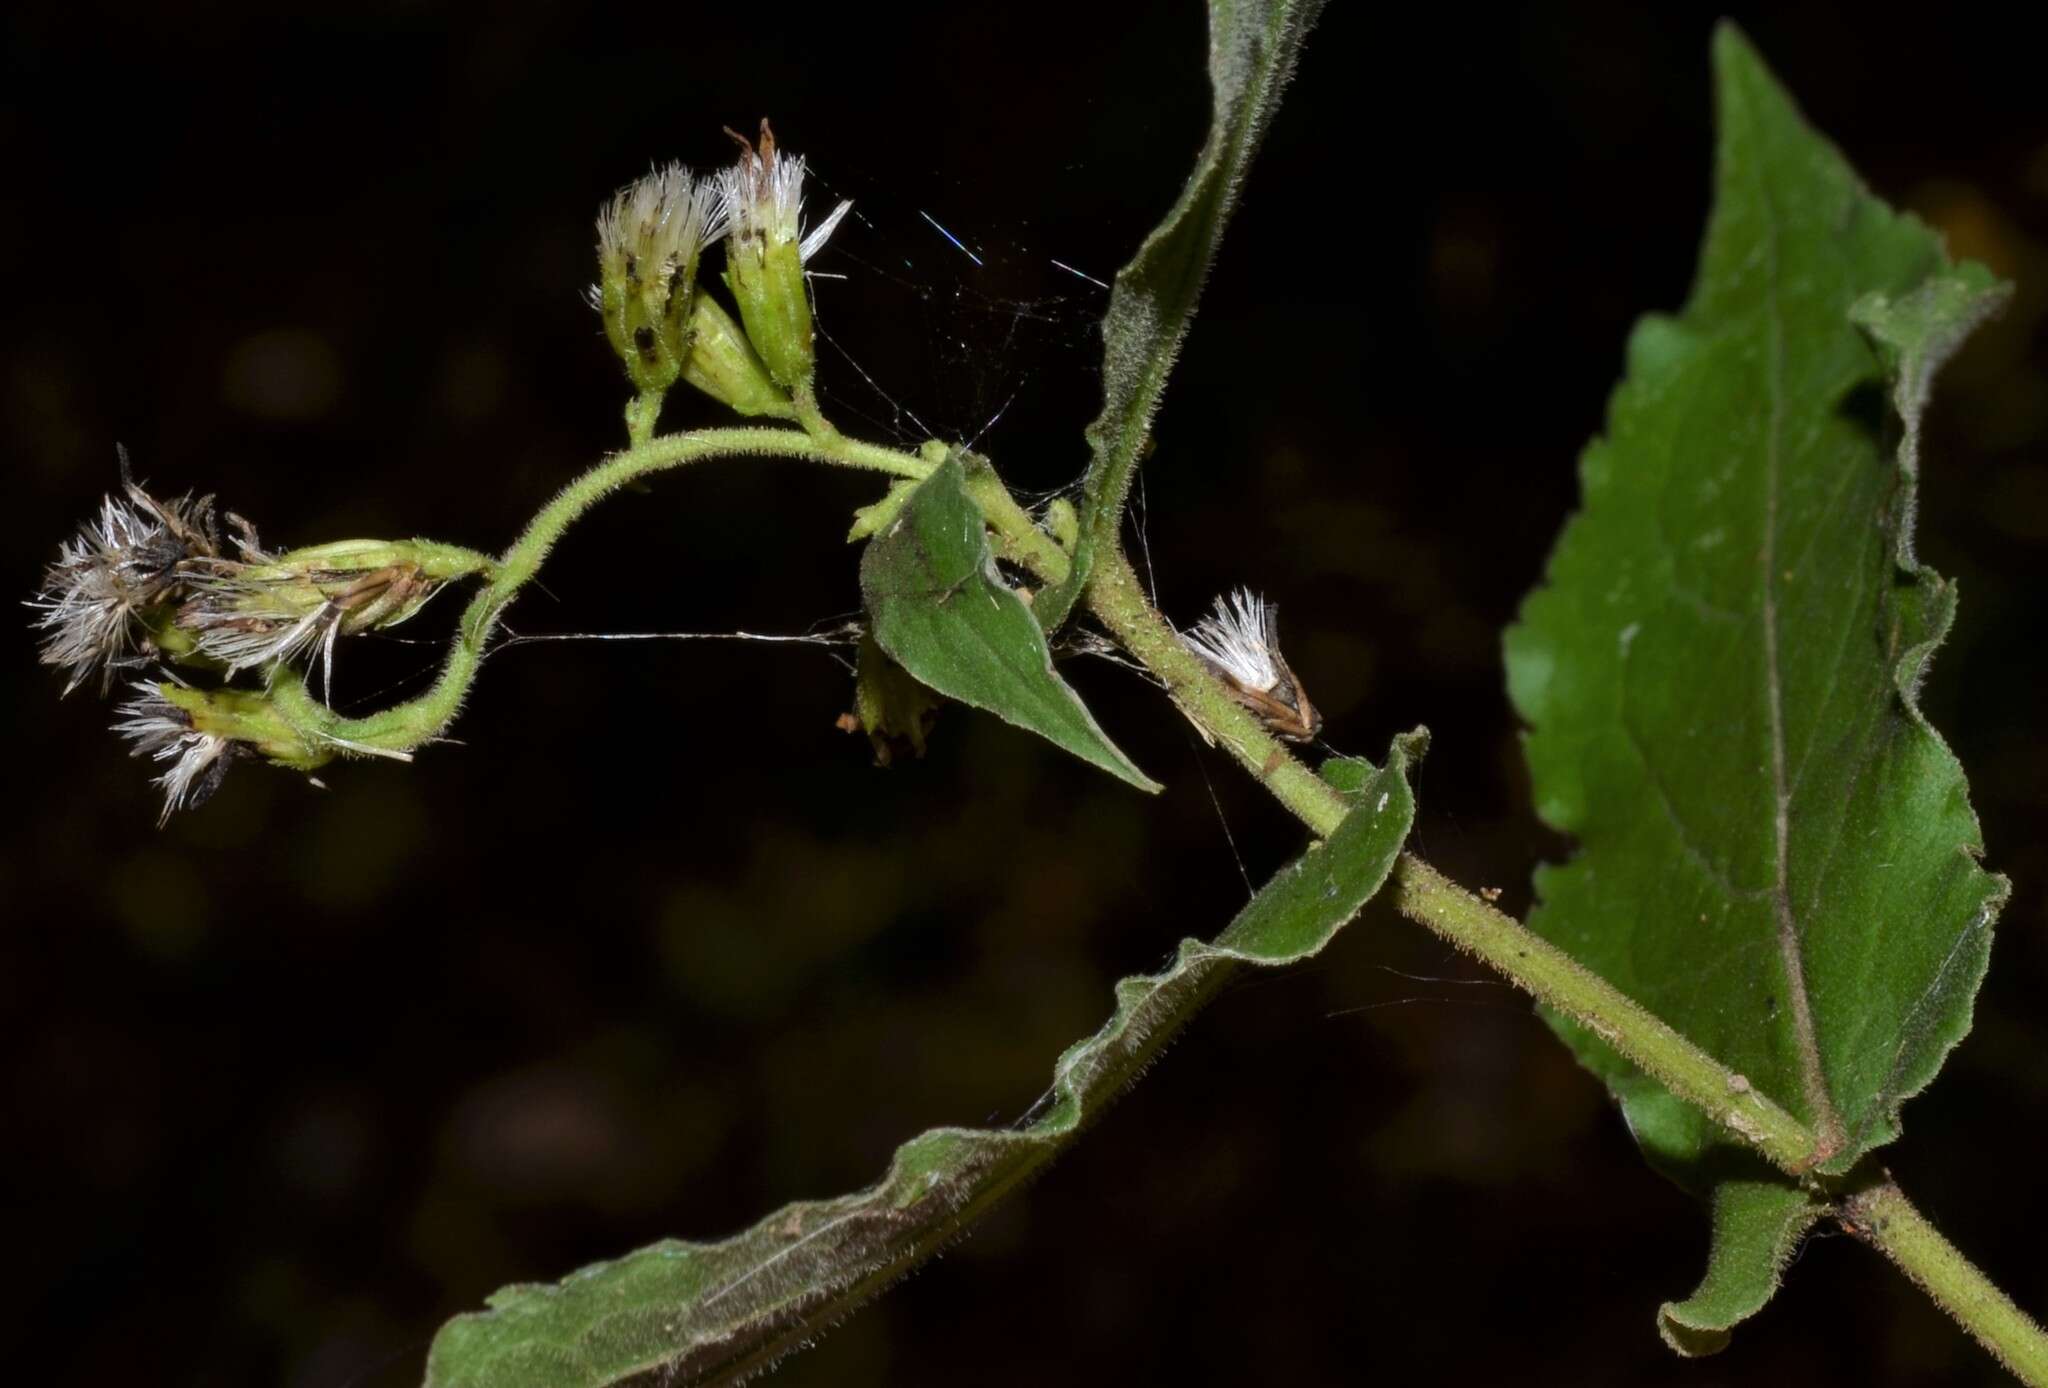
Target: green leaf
x,y
869,520
680,1313
1758,1222
940,609
1253,45
1776,852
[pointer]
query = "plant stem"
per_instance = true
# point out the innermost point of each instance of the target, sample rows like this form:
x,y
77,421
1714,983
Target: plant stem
x,y
1879,1214
1882,1217
1425,895
643,413
1118,601
408,725
805,402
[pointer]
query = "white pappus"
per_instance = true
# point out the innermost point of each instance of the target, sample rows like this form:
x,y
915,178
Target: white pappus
x,y
1240,643
163,732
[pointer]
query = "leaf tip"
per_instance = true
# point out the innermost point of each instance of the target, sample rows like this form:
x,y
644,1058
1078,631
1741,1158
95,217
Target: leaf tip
x,y
1686,1340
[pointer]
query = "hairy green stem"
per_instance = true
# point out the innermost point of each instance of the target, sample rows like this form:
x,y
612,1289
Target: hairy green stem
x,y
1879,1214
804,400
643,413
1425,895
405,726
1882,1217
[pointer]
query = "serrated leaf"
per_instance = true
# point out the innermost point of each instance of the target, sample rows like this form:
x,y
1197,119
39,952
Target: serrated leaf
x,y
1253,45
941,610
682,1313
1776,852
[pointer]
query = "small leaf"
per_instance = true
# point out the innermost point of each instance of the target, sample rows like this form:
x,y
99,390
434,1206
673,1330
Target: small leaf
x,y
1758,1222
941,610
1253,45
872,519
681,1313
1776,852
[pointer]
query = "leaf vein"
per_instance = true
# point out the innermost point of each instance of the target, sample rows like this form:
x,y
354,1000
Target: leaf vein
x,y
1813,1079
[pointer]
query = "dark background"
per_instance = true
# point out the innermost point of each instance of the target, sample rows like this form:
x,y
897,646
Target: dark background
x,y
654,948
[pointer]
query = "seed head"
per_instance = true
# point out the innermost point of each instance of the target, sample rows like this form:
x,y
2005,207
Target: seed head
x,y
132,558
1240,643
1239,638
300,602
162,731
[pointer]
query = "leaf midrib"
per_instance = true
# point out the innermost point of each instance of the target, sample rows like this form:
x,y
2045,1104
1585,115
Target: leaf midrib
x,y
1813,1078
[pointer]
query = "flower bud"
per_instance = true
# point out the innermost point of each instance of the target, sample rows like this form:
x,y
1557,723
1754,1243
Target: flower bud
x,y
649,241
724,367
763,200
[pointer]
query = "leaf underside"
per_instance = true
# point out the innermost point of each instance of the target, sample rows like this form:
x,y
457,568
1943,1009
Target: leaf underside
x,y
940,609
683,1313
1253,45
1758,1221
1776,852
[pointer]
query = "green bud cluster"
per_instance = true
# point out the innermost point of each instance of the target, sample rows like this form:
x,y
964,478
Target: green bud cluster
x,y
650,240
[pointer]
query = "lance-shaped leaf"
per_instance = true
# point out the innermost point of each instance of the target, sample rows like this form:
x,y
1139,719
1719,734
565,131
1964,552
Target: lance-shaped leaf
x,y
682,1313
942,611
1253,45
1776,852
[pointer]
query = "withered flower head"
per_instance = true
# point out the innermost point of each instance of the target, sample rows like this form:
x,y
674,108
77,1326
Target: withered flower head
x,y
162,731
130,559
1240,643
298,603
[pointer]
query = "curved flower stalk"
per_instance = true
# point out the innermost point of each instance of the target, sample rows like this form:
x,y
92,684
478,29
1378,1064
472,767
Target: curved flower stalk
x,y
151,581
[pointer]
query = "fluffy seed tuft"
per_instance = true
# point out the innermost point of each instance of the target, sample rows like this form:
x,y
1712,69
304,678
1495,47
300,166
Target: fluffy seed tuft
x,y
163,732
1240,643
762,197
130,558
1240,639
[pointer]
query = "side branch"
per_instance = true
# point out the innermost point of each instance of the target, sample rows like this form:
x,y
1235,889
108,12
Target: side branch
x,y
1882,1217
405,726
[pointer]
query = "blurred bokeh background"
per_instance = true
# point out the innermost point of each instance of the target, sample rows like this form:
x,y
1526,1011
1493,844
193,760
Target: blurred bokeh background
x,y
654,948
